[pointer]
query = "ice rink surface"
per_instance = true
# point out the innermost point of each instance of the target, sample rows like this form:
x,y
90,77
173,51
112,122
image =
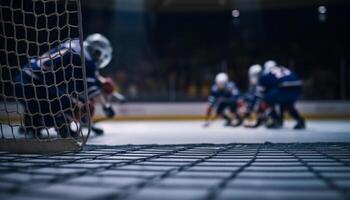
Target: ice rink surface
x,y
148,170
187,132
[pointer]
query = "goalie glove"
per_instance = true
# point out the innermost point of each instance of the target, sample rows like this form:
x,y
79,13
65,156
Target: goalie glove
x,y
108,110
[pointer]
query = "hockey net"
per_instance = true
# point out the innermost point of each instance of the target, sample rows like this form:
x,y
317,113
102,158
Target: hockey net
x,y
39,111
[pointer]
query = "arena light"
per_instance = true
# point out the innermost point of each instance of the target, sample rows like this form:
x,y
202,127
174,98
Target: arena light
x,y
322,9
235,13
322,13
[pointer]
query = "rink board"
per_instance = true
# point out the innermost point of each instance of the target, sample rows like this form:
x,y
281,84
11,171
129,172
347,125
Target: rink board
x,y
196,110
193,111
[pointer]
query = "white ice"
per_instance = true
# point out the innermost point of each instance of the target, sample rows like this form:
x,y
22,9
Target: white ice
x,y
185,132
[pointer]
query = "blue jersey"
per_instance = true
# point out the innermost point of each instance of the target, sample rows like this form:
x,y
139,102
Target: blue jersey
x,y
60,71
250,97
250,94
229,93
279,77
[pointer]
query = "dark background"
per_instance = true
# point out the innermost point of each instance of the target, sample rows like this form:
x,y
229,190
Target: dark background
x,y
167,50
173,54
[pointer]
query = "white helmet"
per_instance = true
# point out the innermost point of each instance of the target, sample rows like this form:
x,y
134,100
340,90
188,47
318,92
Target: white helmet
x,y
221,79
255,70
269,65
254,73
99,48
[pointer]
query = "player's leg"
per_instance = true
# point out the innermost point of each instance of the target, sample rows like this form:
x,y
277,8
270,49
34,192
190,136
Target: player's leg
x,y
220,111
272,98
26,121
94,128
296,116
26,95
274,115
273,120
281,113
20,96
259,112
64,116
290,96
261,116
32,117
234,112
63,126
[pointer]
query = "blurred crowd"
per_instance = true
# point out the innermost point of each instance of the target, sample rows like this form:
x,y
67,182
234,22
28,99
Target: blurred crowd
x,y
175,56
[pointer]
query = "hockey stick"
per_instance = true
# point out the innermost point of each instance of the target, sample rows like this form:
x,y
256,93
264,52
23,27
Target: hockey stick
x,y
209,121
117,97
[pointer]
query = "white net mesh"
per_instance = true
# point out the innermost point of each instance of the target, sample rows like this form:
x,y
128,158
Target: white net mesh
x,y
43,86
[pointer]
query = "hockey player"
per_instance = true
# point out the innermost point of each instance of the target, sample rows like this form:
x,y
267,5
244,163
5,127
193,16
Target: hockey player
x,y
51,86
251,104
224,95
282,87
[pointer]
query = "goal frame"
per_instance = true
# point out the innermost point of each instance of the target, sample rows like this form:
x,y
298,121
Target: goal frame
x,y
54,145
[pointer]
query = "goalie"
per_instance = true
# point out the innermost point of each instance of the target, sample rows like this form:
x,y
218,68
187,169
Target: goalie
x,y
50,87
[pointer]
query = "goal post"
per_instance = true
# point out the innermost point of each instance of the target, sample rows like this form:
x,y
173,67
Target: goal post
x,y
43,96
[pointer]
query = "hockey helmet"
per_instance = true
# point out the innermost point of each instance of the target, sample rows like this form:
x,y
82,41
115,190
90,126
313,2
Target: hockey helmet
x,y
221,79
254,73
100,49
